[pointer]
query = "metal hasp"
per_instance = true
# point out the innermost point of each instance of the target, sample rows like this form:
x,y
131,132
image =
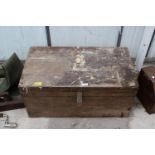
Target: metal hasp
x,y
79,98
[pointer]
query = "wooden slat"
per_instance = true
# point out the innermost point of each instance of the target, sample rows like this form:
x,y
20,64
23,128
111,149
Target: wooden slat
x,y
68,107
60,92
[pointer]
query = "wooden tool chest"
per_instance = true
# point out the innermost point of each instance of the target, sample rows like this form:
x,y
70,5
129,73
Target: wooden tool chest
x,y
78,82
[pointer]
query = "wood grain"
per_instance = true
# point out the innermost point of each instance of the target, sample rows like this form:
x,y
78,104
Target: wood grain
x,y
105,78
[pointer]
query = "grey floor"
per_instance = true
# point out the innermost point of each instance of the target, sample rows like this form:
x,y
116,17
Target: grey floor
x,y
138,119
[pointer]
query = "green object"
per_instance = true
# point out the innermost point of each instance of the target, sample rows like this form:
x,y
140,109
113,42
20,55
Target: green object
x,y
10,73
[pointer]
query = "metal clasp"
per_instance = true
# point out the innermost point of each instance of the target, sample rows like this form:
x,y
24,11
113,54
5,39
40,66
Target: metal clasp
x,y
79,98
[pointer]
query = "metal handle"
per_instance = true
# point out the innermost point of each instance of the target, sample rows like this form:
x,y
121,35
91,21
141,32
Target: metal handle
x,y
79,98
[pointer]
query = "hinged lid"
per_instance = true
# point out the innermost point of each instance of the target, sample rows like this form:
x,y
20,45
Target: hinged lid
x,y
71,67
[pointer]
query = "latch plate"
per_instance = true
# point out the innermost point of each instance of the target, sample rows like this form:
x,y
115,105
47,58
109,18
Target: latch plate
x,y
79,98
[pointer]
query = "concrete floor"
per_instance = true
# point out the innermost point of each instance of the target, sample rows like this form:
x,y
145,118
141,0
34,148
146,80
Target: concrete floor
x,y
138,119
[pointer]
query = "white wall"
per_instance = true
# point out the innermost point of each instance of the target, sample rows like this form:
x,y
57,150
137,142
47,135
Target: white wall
x,y
19,39
85,36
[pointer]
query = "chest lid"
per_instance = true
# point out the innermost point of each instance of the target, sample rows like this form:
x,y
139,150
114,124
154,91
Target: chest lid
x,y
149,72
78,67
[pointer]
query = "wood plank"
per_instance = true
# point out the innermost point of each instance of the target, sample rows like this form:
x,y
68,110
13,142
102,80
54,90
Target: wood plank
x,y
44,103
67,107
60,92
13,104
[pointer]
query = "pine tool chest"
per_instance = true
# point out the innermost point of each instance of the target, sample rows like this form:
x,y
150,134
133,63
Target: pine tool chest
x,y
78,82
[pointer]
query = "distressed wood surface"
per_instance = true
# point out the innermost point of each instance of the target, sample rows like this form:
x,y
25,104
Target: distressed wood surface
x,y
78,82
79,67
